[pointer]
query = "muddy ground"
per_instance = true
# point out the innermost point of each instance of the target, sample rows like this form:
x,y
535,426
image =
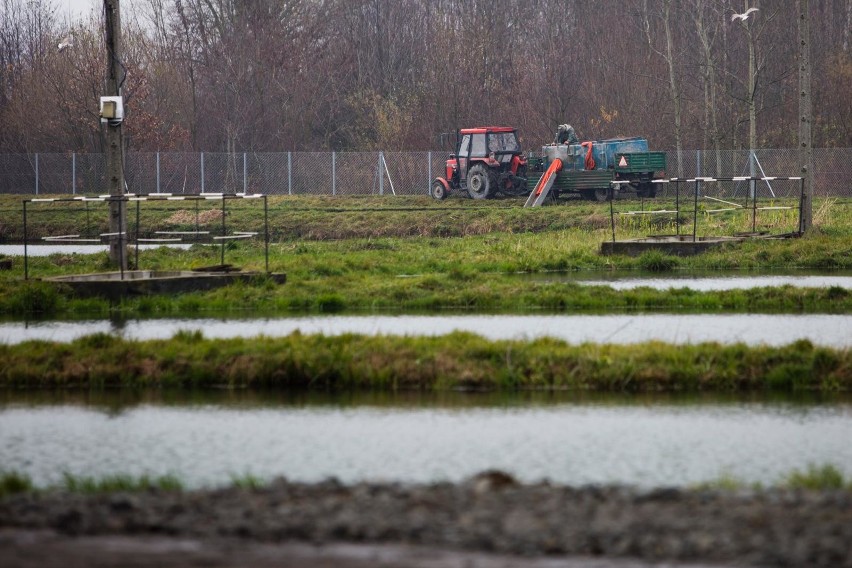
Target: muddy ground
x,y
487,522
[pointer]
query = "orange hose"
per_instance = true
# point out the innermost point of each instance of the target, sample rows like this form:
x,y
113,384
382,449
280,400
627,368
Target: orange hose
x,y
590,160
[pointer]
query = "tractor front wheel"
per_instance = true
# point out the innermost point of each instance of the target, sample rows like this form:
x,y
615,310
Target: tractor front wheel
x,y
438,191
479,182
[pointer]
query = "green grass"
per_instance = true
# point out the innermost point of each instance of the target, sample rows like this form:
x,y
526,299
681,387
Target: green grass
x,y
818,477
247,481
454,361
826,477
119,482
412,254
12,482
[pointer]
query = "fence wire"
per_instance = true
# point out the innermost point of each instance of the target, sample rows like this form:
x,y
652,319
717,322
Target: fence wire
x,y
376,173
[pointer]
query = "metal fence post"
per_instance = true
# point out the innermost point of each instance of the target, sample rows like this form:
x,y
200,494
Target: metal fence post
x,y
695,211
245,175
333,173
289,173
381,174
26,256
677,206
429,172
266,232
36,166
751,172
158,172
202,172
73,173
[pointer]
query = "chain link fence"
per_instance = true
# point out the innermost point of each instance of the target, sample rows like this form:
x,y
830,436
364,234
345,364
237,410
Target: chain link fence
x,y
373,173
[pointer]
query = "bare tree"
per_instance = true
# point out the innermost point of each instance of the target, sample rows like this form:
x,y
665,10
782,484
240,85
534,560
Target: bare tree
x,y
232,75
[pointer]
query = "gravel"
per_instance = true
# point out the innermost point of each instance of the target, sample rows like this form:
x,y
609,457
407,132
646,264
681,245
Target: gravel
x,y
489,513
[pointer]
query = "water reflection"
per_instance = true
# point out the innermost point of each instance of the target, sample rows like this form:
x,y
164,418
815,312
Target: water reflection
x,y
47,250
118,400
701,281
752,329
725,283
575,438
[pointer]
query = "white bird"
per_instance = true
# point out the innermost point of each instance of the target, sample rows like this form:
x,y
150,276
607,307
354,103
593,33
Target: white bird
x,y
744,16
67,42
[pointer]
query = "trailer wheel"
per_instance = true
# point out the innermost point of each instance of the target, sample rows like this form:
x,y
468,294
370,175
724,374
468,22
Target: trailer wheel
x,y
479,182
438,191
646,189
597,194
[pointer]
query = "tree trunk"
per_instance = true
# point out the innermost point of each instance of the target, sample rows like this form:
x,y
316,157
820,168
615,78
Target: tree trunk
x,y
673,86
752,105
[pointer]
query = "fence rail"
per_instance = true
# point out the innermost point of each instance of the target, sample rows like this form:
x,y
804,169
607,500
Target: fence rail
x,y
366,173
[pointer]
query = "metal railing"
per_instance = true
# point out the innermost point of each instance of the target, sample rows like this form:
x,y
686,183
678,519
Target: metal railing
x,y
370,173
130,233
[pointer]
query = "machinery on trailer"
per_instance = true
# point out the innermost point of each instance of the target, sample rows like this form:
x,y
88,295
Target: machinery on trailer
x,y
588,168
488,160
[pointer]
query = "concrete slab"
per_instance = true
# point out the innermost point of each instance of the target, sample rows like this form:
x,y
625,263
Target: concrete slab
x,y
116,285
680,245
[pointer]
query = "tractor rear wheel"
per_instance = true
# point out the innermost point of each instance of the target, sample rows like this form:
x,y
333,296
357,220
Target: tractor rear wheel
x,y
479,182
438,191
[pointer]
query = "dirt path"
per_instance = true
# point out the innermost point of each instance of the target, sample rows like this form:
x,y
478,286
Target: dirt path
x,y
47,549
488,521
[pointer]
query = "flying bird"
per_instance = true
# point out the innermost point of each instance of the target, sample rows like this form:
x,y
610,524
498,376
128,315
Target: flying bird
x,y
744,16
67,41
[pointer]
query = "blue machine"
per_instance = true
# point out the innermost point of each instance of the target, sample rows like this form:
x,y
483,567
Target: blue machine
x,y
603,151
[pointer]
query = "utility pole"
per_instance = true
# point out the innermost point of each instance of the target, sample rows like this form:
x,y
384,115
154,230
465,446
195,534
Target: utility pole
x,y
114,139
806,151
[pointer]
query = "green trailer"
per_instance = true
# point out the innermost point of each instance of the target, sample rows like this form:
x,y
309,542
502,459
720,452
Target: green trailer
x,y
590,167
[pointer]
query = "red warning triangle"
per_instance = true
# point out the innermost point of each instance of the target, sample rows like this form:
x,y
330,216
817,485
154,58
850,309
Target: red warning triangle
x,y
622,163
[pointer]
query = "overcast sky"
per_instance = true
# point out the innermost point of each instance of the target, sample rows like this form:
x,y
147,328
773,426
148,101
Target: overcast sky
x,y
78,9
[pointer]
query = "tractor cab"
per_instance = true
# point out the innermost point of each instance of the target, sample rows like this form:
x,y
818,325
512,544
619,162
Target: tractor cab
x,y
488,160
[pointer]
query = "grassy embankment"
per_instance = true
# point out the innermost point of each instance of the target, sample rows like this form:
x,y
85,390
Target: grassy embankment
x,y
413,254
454,361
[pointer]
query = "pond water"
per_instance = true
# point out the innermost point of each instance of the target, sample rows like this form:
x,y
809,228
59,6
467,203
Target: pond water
x,y
47,250
753,329
700,281
710,284
567,439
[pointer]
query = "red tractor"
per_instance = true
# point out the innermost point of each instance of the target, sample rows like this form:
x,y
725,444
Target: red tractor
x,y
488,160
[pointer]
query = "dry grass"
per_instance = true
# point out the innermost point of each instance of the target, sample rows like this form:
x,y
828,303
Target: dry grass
x,y
822,215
